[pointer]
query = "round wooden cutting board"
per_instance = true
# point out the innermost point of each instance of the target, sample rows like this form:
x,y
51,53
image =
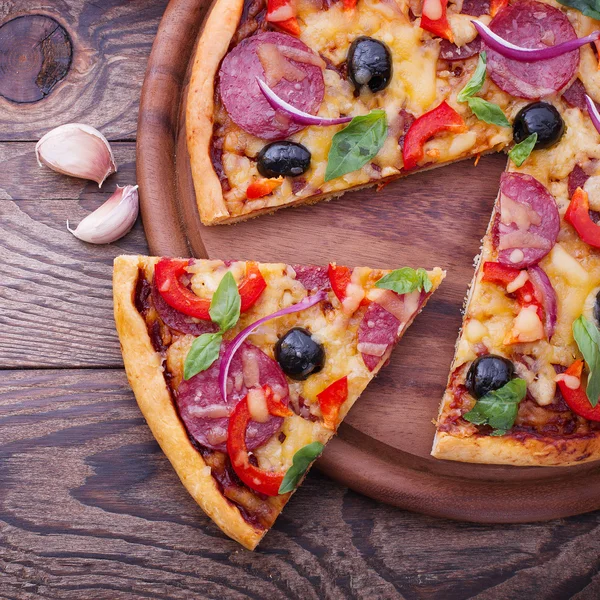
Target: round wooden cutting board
x,y
431,219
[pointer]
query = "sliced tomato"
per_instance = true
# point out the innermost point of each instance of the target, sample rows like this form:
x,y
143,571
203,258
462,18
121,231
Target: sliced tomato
x,y
496,6
502,275
331,400
441,118
282,14
340,278
257,479
577,399
578,214
262,187
167,276
438,26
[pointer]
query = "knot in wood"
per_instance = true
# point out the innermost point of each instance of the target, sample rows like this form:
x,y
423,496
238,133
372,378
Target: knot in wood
x,y
35,54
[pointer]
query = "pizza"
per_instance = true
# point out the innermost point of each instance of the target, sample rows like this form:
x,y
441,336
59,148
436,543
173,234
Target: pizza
x,y
244,371
294,101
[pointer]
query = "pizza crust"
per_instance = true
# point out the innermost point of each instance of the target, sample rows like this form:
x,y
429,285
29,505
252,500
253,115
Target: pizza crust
x,y
507,450
213,44
145,375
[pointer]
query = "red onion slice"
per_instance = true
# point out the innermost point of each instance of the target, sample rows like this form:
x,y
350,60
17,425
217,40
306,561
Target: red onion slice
x,y
544,288
514,52
297,116
240,337
593,112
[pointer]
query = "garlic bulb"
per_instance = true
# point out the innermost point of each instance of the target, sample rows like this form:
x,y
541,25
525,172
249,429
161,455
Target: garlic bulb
x,y
112,220
77,150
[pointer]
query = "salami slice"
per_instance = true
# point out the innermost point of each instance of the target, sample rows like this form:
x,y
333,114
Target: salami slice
x,y
452,52
577,178
528,222
476,8
377,331
532,24
205,412
245,102
177,320
312,277
574,95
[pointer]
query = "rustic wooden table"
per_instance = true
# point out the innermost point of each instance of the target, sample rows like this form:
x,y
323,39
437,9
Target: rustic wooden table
x,y
89,507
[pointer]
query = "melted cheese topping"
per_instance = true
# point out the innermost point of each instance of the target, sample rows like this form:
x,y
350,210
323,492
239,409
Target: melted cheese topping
x,y
419,84
332,327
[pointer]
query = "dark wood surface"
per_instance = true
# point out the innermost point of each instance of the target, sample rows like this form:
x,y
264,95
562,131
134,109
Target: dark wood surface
x,y
89,507
430,219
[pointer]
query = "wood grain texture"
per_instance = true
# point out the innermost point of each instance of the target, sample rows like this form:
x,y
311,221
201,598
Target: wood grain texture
x,y
435,218
111,521
111,41
35,54
56,294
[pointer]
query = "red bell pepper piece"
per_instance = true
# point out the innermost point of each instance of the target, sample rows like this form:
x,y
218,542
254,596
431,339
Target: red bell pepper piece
x,y
349,4
441,118
578,214
262,187
340,277
277,8
167,276
577,399
330,401
257,479
439,26
496,6
502,275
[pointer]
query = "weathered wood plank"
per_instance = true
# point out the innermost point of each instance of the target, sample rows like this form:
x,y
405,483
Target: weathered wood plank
x,y
111,43
90,508
56,294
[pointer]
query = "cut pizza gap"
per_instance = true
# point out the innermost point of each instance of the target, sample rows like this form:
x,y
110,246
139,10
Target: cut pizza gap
x,y
244,371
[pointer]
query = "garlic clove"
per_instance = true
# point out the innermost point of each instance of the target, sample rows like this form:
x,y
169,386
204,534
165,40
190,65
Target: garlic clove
x,y
77,150
112,220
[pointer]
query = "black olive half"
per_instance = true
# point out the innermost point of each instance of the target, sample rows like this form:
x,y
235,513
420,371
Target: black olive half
x,y
283,158
298,354
370,64
596,310
488,373
541,118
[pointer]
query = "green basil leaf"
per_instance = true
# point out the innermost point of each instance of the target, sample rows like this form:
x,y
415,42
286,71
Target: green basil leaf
x,y
498,432
520,152
476,82
488,112
587,336
405,280
590,8
202,354
499,408
355,145
225,304
300,463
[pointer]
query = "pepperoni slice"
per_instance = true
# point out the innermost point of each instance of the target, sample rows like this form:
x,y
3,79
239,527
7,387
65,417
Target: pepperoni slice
x,y
528,221
312,277
452,52
476,8
378,330
577,178
532,25
205,412
177,320
245,102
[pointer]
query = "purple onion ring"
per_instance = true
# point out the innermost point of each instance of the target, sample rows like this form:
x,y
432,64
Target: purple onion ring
x,y
240,337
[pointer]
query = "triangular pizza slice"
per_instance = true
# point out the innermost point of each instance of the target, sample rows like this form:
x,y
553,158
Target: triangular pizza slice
x,y
244,371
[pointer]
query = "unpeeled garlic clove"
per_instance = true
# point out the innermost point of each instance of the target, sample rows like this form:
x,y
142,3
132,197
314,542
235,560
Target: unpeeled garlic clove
x,y
77,150
112,220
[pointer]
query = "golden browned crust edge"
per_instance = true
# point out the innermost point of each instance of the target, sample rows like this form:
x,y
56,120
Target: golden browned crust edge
x,y
145,375
508,450
214,41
